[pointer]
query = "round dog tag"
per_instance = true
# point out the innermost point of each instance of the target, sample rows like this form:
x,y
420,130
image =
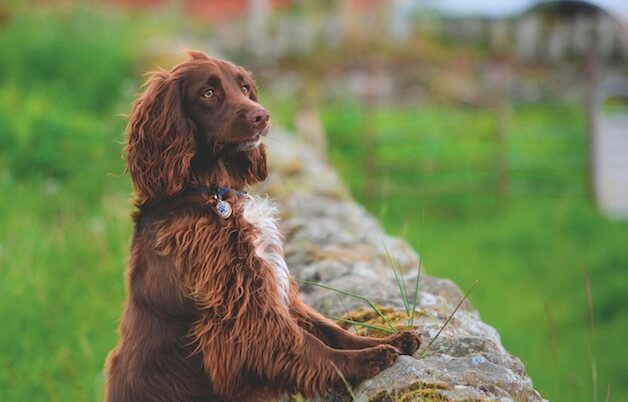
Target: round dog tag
x,y
223,209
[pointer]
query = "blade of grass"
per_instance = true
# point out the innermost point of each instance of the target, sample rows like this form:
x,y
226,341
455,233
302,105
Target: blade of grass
x,y
403,233
346,311
418,277
347,293
346,383
416,292
451,315
592,353
551,324
553,339
363,324
401,284
608,393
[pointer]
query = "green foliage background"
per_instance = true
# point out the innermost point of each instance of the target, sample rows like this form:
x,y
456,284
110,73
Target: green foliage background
x,y
64,79
66,76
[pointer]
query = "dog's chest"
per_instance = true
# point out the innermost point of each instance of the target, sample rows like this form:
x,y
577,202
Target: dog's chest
x,y
262,214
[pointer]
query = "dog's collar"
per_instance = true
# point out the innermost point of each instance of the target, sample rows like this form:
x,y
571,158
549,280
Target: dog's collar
x,y
216,193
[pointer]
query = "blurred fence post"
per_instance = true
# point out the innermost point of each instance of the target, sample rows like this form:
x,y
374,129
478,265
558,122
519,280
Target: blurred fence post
x,y
309,128
257,24
503,73
369,136
591,67
307,120
609,146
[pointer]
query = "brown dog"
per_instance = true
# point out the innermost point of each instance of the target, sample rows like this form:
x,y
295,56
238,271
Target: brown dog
x,y
212,314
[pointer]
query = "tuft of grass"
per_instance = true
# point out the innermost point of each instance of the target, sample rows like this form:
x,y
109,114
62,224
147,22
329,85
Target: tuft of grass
x,y
401,284
355,296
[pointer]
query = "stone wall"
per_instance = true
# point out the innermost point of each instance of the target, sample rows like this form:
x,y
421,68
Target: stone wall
x,y
331,239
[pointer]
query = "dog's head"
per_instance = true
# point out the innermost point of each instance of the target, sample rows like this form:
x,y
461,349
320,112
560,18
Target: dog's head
x,y
201,118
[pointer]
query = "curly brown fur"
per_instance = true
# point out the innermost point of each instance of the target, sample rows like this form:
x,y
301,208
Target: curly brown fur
x,y
211,313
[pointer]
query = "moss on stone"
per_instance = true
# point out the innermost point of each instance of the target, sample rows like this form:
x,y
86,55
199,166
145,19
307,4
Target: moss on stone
x,y
430,385
419,391
398,318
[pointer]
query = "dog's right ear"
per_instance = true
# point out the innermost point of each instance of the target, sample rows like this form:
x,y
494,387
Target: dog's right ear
x,y
196,55
160,139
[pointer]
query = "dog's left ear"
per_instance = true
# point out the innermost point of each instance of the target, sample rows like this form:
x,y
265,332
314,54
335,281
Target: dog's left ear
x,y
248,168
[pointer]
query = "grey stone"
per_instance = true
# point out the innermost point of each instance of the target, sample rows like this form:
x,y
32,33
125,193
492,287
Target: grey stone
x,y
333,240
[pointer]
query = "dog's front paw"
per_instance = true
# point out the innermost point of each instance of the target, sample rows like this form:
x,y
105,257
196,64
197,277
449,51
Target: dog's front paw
x,y
407,342
379,358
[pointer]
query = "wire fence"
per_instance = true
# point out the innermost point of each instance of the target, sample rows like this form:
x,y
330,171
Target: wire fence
x,y
538,151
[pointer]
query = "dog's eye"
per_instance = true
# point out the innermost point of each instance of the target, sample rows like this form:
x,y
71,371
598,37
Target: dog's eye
x,y
246,88
209,93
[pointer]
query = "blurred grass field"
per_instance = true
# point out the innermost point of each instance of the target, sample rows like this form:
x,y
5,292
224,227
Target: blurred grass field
x,y
65,77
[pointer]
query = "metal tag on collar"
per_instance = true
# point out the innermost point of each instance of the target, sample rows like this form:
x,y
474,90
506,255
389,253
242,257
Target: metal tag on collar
x,y
223,208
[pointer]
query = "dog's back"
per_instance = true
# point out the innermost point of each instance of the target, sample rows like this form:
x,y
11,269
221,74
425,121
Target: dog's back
x,y
154,360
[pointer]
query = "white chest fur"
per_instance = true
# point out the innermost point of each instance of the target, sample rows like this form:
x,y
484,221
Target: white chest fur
x,y
261,213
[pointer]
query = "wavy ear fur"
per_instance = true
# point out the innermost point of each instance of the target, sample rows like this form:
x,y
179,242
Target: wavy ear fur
x,y
160,140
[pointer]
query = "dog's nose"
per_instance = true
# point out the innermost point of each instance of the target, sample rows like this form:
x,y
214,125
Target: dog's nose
x,y
258,117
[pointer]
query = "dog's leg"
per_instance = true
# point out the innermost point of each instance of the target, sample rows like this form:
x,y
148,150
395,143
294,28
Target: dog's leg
x,y
407,342
316,367
286,358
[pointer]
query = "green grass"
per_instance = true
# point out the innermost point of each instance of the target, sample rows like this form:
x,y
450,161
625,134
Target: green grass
x,y
528,251
64,212
62,257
